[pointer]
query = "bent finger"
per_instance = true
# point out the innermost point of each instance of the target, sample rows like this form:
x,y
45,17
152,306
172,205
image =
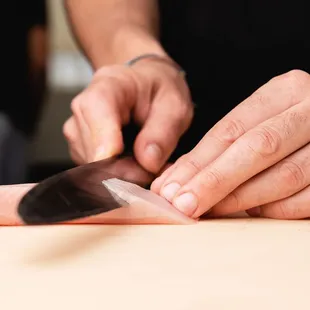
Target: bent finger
x,y
98,116
157,183
76,148
282,180
292,208
169,117
273,98
254,152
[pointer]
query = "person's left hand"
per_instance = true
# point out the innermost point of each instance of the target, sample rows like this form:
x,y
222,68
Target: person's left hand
x,y
256,159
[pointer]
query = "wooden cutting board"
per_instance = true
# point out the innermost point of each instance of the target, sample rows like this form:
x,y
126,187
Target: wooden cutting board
x,y
230,264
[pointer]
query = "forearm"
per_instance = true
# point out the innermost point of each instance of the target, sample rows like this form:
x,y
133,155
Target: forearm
x,y
114,31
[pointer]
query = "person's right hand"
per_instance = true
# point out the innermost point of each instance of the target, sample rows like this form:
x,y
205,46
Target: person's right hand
x,y
152,92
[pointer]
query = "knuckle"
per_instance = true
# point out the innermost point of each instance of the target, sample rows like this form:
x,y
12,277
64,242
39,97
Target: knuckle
x,y
185,117
235,201
174,97
286,211
181,112
295,79
178,103
292,175
75,104
210,179
258,98
265,142
282,209
182,159
92,96
184,111
192,163
292,121
230,131
67,131
190,111
96,94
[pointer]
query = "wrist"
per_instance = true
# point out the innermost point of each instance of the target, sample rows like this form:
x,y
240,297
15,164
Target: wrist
x,y
127,43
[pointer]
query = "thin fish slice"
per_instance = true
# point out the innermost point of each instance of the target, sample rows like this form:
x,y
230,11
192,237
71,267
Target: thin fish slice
x,y
141,206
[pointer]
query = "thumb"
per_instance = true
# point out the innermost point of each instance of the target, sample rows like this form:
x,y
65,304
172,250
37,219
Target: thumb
x,y
169,117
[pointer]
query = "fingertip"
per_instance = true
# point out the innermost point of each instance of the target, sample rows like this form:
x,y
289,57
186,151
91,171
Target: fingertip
x,y
112,145
149,155
158,182
105,153
102,153
156,185
187,203
153,155
154,145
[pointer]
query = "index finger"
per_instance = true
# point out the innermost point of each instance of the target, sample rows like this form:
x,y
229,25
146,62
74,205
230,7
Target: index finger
x,y
257,150
98,116
276,96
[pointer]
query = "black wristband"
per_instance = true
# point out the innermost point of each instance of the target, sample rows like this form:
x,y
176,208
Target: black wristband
x,y
159,57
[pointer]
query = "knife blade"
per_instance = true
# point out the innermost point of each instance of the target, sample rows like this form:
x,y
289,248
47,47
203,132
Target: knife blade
x,y
80,192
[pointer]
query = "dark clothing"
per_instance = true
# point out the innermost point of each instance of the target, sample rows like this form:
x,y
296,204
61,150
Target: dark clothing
x,y
231,48
21,99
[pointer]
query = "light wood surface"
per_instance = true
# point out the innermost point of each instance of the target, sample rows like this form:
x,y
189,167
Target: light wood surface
x,y
216,264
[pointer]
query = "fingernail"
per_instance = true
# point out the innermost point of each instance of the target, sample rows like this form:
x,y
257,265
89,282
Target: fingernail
x,y
170,190
186,203
256,212
154,152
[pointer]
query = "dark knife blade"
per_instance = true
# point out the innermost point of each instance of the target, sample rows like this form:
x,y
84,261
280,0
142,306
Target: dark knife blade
x,y
79,192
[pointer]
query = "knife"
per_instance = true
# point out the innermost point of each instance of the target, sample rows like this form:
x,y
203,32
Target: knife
x,y
80,192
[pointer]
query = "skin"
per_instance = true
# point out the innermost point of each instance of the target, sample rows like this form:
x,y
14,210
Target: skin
x,y
110,33
118,93
254,159
257,158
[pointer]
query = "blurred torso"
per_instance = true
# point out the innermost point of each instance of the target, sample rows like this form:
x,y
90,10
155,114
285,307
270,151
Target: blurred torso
x,y
231,48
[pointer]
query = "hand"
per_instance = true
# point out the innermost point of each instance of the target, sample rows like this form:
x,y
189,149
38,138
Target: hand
x,y
257,158
152,92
